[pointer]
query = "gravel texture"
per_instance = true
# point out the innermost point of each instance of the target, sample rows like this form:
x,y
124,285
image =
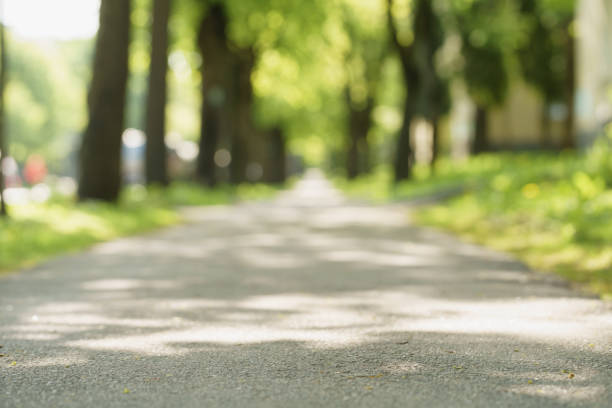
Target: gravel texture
x,y
305,302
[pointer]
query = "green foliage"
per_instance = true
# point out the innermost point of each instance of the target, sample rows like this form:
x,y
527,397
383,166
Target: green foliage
x,y
35,232
543,53
449,175
551,212
46,95
490,33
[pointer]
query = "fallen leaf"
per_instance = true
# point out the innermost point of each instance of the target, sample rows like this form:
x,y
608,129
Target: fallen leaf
x,y
565,371
571,375
516,350
14,363
126,391
530,382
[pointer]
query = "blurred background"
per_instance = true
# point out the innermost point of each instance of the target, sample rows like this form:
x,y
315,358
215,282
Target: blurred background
x,y
504,105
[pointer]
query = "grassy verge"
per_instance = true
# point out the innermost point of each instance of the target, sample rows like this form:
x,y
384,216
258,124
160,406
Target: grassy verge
x,y
553,212
35,232
452,174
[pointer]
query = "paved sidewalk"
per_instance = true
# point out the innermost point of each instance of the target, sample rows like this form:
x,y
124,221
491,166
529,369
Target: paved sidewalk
x,y
305,302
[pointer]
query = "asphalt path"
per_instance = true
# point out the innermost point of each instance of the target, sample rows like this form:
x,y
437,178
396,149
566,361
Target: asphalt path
x,y
308,301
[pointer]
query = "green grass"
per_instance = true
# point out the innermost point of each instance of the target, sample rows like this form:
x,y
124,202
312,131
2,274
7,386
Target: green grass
x,y
450,174
35,232
552,211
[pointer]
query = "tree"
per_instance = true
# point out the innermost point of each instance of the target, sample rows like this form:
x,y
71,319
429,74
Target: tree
x,y
100,156
433,92
367,51
245,145
227,101
217,78
547,59
403,153
3,144
426,93
275,164
155,128
489,32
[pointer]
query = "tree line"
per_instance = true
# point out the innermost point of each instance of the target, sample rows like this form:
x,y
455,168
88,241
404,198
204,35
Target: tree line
x,y
235,38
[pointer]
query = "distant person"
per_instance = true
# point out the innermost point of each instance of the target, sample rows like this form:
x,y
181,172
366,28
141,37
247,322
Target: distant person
x,y
35,169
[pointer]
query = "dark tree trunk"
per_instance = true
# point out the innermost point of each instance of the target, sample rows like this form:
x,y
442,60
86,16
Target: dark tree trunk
x,y
403,153
206,167
244,146
219,96
276,168
3,142
404,159
481,132
156,159
435,141
352,157
360,122
100,156
212,42
365,159
546,141
569,139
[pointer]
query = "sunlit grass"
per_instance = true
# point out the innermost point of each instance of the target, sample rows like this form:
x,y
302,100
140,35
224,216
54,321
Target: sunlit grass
x,y
551,210
458,174
35,232
556,218
576,249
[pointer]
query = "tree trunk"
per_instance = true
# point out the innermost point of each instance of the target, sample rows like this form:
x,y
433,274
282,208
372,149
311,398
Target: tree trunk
x,y
156,159
100,156
352,157
569,139
276,168
481,133
206,167
435,142
3,143
244,146
360,122
218,94
403,153
546,141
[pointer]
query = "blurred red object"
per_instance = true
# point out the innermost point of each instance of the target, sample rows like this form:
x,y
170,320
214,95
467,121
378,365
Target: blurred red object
x,y
35,169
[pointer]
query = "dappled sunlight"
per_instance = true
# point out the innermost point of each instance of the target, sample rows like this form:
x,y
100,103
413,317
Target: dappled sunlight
x,y
262,259
378,258
66,360
562,393
127,284
274,282
347,319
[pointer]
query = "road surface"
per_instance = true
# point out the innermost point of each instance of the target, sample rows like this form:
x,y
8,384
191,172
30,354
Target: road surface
x,y
308,301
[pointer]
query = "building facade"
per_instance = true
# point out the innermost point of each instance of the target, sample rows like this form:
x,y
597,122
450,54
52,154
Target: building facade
x,y
594,69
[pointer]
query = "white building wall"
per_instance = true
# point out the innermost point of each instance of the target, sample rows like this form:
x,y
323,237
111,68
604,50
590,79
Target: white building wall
x,y
594,68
